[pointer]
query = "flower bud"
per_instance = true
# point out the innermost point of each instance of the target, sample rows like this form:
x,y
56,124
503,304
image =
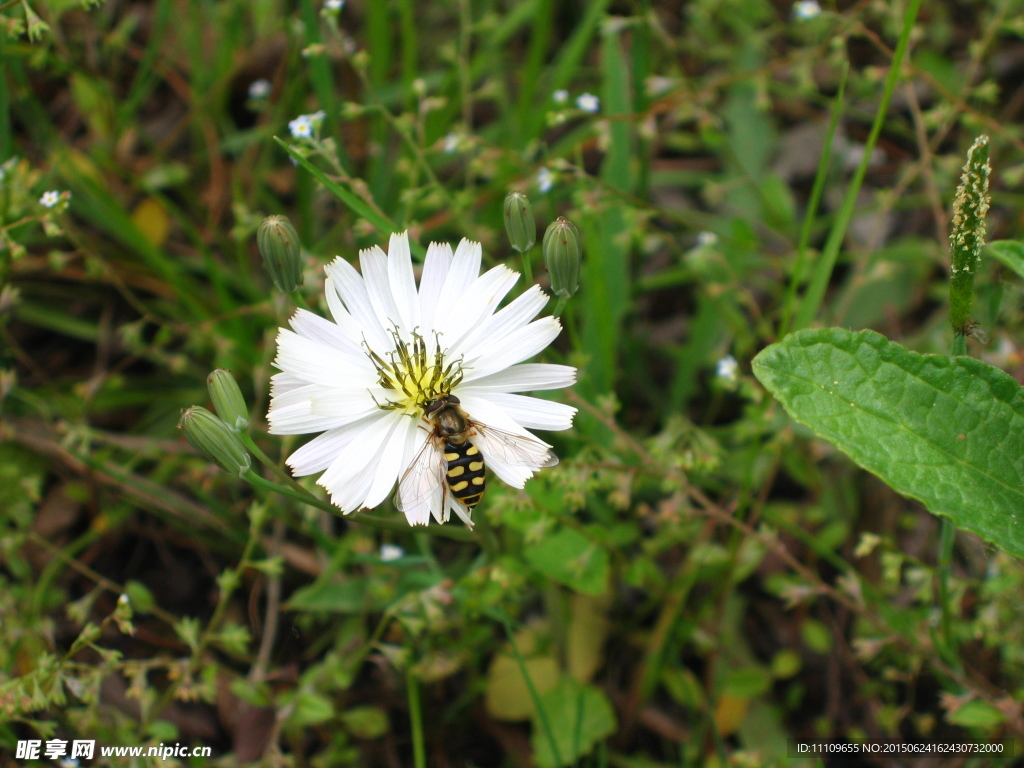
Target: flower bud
x,y
279,246
227,400
562,255
519,223
214,440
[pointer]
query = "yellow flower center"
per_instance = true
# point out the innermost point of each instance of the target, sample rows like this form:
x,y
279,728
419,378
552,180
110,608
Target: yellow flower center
x,y
415,378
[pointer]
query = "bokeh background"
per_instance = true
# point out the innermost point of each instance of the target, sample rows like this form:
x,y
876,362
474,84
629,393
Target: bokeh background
x,y
697,582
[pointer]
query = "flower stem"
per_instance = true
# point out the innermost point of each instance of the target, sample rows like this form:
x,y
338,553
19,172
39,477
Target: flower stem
x,y
527,267
416,719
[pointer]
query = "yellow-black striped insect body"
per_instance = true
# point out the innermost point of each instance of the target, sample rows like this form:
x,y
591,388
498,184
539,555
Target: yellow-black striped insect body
x,y
452,458
465,466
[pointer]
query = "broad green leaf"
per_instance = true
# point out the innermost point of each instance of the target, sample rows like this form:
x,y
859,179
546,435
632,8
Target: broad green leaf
x,y
571,558
311,708
365,722
1010,253
508,695
588,629
579,716
977,714
349,596
948,431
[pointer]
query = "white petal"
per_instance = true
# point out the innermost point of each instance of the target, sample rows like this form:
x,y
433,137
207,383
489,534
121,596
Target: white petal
x,y
390,466
513,348
435,271
459,509
403,282
527,377
352,472
535,413
464,317
285,382
374,264
317,455
464,270
318,363
507,473
312,326
486,411
348,284
494,330
316,408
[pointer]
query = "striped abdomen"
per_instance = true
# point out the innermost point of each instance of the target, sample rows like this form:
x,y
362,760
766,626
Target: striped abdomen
x,y
465,472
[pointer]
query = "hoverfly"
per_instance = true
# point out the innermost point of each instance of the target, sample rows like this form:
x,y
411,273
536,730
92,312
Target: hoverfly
x,y
452,459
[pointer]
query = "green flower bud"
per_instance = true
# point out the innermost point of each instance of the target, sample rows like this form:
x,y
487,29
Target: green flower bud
x,y
214,440
279,246
562,255
519,223
227,400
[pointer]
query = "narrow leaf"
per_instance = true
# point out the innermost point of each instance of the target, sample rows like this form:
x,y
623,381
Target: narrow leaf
x,y
357,205
948,431
1010,253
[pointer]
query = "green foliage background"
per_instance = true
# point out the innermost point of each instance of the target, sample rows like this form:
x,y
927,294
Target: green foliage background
x,y
700,578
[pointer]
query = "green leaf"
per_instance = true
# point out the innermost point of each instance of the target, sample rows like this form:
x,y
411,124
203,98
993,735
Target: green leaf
x,y
311,709
948,431
746,682
977,714
579,716
365,722
1010,253
572,559
349,596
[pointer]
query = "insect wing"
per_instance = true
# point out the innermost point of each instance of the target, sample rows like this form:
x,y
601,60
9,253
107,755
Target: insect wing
x,y
513,449
422,489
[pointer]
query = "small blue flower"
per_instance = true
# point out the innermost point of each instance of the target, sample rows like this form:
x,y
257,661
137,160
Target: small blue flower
x,y
560,96
545,179
301,127
391,552
259,89
49,199
334,5
588,102
726,368
806,9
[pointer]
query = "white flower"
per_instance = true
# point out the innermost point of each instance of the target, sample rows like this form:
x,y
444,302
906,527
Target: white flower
x,y
545,179
806,9
588,102
706,238
726,368
259,89
560,96
391,552
334,5
365,380
451,142
301,127
49,199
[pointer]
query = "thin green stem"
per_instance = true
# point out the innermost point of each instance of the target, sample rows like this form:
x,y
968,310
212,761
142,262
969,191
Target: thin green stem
x,y
823,273
419,751
527,266
534,695
800,266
